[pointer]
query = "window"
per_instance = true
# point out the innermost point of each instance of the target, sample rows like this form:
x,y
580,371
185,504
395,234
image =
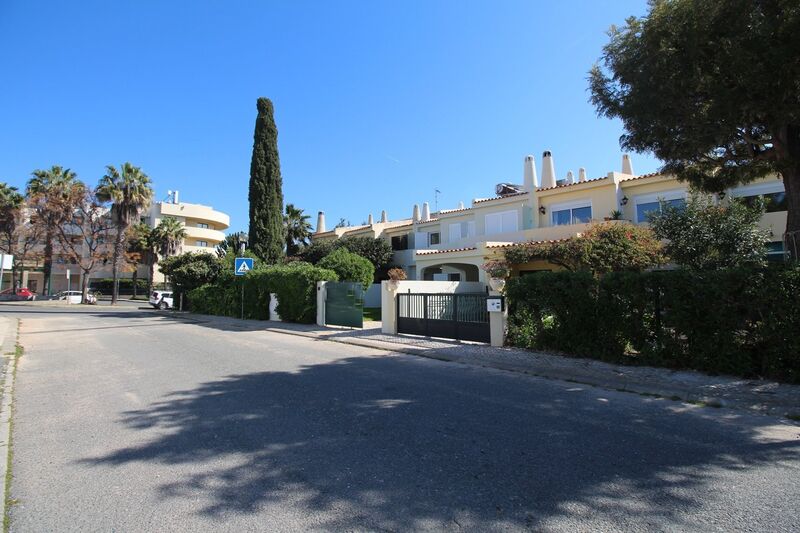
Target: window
x,y
202,225
434,238
575,213
461,230
773,202
400,242
644,210
504,222
203,244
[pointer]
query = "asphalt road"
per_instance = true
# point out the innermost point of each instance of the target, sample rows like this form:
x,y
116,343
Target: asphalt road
x,y
130,420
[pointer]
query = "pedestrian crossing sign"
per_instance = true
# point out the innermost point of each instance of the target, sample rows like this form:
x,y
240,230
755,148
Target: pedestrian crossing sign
x,y
242,266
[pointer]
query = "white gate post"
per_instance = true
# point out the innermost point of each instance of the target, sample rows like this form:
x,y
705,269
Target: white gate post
x,y
389,307
497,323
321,293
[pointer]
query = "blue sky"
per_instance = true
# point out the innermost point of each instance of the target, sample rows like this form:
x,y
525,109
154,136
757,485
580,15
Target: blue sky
x,y
377,103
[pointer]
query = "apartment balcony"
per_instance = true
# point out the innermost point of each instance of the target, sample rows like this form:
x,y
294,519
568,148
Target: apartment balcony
x,y
211,236
197,212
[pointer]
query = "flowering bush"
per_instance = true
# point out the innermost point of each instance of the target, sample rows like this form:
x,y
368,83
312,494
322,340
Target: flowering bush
x,y
496,269
397,274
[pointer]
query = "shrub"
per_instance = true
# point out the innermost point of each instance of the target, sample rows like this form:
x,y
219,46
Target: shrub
x,y
704,236
606,247
295,286
376,251
349,266
106,285
736,321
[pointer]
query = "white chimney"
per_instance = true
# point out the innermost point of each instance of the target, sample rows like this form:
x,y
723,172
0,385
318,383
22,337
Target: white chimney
x,y
426,211
581,175
548,170
627,167
369,219
570,178
529,174
415,215
461,205
175,197
384,217
321,222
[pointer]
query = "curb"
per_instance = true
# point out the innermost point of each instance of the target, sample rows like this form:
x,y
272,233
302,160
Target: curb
x,y
6,407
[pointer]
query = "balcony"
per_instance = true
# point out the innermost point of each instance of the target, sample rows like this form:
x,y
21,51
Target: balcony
x,y
209,235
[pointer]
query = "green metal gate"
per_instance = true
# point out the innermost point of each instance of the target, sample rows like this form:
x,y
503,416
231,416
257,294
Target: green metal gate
x,y
344,304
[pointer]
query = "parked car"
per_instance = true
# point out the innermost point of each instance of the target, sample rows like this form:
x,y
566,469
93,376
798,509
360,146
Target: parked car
x,y
20,294
161,299
75,297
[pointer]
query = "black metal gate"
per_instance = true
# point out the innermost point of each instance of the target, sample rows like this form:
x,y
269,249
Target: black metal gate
x,y
451,316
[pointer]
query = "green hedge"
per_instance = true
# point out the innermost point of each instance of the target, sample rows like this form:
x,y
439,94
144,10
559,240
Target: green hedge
x,y
294,284
106,285
741,322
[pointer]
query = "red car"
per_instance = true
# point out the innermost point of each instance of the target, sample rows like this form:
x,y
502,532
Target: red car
x,y
17,294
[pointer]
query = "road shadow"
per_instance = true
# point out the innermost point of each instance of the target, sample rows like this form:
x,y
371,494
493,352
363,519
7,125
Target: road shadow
x,y
389,443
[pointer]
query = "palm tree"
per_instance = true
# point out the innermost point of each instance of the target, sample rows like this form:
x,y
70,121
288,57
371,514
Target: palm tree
x,y
298,229
168,236
129,190
47,191
231,243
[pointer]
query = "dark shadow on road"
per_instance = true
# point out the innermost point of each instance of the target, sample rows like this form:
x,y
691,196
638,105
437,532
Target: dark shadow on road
x,y
387,443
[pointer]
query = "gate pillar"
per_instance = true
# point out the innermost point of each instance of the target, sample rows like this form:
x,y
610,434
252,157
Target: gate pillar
x,y
321,295
389,307
497,324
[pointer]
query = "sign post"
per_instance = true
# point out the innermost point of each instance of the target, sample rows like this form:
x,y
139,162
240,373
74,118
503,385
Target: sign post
x,y
6,262
241,266
69,299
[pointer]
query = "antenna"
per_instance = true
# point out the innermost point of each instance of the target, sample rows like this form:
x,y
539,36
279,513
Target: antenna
x,y
436,193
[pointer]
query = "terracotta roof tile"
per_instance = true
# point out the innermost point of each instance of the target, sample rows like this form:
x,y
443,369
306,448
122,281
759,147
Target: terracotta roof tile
x,y
564,185
432,252
650,175
513,244
448,211
429,221
499,197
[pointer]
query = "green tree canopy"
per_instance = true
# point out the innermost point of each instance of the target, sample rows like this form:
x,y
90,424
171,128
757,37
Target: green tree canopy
x,y
191,270
349,266
712,88
704,236
266,232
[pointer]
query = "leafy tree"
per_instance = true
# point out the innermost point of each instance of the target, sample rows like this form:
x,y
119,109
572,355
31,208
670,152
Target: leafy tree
x,y
46,192
231,243
377,251
191,270
266,197
11,206
349,266
603,248
704,236
711,88
129,190
83,238
142,248
298,229
316,251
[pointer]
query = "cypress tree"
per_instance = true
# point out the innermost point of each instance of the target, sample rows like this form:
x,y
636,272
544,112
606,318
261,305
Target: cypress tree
x,y
266,234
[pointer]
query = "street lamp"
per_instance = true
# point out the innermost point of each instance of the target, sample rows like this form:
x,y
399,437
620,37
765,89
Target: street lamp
x,y
242,243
